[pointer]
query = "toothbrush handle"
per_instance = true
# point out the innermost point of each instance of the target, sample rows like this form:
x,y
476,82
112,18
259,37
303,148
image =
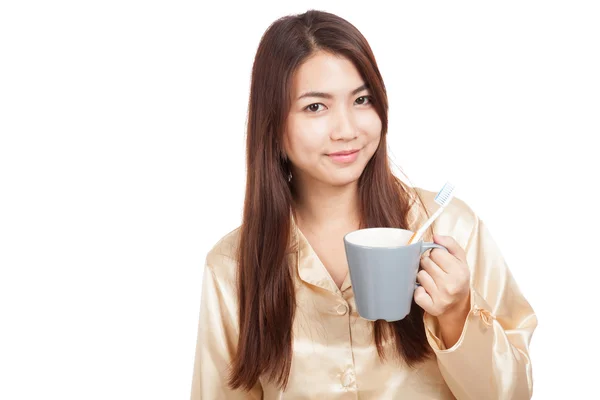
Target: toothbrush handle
x,y
423,228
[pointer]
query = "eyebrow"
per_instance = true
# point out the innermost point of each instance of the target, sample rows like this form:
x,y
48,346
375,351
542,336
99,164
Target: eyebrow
x,y
329,96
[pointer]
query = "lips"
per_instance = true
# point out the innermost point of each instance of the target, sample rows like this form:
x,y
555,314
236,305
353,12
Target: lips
x,y
344,157
343,153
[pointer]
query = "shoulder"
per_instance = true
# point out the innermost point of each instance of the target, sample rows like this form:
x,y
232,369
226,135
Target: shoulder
x,y
458,219
222,258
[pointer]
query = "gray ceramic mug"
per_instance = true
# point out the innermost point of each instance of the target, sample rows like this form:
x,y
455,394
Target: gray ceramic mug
x,y
383,271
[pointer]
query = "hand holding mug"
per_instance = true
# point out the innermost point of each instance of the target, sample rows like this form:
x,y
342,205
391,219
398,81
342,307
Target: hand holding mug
x,y
445,287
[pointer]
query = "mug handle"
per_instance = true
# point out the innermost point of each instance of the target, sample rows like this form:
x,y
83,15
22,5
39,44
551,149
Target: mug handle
x,y
428,246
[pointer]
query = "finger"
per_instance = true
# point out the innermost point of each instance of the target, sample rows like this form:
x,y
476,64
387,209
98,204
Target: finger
x,y
423,299
452,245
445,261
427,282
432,268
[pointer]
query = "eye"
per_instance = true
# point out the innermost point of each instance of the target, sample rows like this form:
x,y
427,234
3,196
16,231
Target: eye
x,y
313,108
364,100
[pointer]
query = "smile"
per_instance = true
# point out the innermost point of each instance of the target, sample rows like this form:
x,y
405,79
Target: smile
x,y
344,157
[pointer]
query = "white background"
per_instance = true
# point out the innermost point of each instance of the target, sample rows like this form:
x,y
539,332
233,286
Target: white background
x,y
122,162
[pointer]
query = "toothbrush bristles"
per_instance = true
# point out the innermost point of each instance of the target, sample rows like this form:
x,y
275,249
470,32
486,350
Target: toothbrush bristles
x,y
445,194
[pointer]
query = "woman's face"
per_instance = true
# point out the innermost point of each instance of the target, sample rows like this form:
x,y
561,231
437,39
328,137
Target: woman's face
x,y
332,129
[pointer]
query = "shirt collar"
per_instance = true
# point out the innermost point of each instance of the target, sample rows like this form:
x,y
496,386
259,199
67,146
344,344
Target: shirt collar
x,y
310,268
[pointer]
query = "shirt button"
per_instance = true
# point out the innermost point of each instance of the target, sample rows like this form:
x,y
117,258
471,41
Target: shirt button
x,y
348,378
342,309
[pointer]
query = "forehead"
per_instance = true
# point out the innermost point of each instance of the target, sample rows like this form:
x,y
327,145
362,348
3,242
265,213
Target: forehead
x,y
328,73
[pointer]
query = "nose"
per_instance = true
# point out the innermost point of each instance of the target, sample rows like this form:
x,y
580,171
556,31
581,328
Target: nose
x,y
344,127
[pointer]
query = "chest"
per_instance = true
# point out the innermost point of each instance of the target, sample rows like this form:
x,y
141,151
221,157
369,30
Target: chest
x,y
331,252
334,357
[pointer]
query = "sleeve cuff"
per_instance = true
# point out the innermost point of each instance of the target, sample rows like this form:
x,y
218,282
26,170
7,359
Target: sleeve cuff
x,y
478,322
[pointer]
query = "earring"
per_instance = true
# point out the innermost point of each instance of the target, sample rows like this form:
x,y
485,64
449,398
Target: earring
x,y
286,161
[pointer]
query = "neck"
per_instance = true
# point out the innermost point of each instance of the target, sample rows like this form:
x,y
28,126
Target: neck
x,y
321,206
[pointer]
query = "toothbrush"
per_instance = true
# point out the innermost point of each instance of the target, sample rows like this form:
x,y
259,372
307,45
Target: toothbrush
x,y
443,198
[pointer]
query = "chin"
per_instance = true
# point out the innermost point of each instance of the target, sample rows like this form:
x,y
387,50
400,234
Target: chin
x,y
344,178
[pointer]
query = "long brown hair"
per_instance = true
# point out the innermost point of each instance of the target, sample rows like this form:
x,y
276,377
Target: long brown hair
x,y
265,281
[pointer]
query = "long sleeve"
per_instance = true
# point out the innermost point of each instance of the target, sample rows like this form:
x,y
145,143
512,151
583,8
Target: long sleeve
x,y
491,358
217,340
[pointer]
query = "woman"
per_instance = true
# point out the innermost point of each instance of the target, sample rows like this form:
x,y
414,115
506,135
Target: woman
x,y
278,317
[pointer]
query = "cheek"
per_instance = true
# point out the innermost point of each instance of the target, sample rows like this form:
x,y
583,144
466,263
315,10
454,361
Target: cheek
x,y
370,124
306,136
